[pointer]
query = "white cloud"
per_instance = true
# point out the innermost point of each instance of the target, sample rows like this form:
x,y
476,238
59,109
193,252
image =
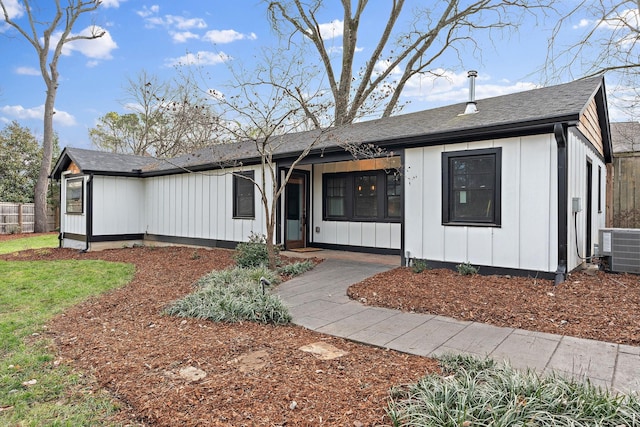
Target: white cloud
x,y
382,66
112,3
332,29
626,18
216,94
27,71
175,21
582,24
14,8
61,118
148,11
199,58
182,36
99,48
227,36
446,87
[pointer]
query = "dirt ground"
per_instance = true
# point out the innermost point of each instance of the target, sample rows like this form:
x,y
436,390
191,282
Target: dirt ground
x,y
169,371
248,374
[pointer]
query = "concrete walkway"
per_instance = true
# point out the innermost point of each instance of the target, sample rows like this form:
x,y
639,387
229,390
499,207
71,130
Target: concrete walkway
x,y
318,301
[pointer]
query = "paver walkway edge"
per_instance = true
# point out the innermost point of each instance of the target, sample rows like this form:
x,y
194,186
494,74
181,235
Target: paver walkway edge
x,y
318,301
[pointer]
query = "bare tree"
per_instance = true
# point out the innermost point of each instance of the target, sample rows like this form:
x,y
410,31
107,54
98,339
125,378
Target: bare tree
x,y
168,118
609,43
63,20
274,101
404,50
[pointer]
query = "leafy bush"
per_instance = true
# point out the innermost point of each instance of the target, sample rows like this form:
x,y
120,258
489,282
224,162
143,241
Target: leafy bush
x,y
296,269
476,391
254,252
466,269
233,296
419,265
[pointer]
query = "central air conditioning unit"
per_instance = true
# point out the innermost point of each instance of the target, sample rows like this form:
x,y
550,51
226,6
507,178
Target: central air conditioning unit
x,y
620,248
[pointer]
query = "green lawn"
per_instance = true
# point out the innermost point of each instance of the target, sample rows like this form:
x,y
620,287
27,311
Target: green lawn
x,y
35,242
31,293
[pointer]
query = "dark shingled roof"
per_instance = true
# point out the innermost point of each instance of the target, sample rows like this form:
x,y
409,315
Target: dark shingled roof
x,y
99,161
525,111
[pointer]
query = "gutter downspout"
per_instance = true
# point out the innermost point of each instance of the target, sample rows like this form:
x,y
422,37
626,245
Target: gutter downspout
x,y
89,201
559,132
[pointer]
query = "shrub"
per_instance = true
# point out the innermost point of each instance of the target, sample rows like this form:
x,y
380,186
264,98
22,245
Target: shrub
x,y
475,391
14,229
254,252
466,269
233,296
419,265
296,269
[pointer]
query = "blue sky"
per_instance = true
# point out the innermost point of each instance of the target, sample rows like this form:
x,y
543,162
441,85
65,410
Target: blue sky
x,y
154,35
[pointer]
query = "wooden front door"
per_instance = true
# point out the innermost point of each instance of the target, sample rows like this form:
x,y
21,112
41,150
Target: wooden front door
x,y
295,232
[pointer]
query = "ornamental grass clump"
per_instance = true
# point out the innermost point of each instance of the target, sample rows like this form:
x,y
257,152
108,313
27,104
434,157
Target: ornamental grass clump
x,y
296,269
480,392
233,296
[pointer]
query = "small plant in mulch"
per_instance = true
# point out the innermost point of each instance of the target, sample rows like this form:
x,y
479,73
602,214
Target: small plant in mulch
x,y
253,253
466,269
474,391
233,296
419,265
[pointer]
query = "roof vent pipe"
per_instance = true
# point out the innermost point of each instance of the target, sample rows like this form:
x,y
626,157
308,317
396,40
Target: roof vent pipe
x,y
471,104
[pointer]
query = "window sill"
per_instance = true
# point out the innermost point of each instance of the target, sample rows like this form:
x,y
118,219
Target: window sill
x,y
472,224
365,220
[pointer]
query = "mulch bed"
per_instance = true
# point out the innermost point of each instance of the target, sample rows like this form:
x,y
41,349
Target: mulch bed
x,y
255,374
595,305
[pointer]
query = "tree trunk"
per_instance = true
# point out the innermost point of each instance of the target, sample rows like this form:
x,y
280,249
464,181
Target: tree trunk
x,y
271,246
42,185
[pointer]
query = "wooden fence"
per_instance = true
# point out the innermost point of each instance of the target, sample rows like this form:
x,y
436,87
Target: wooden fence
x,y
626,190
19,218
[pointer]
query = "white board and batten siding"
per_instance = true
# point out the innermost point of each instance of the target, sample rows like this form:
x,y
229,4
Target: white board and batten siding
x,y
527,236
385,235
199,205
118,205
579,154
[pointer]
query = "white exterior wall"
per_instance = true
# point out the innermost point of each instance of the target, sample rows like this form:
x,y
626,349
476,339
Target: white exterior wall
x,y
527,237
199,205
367,234
118,205
578,153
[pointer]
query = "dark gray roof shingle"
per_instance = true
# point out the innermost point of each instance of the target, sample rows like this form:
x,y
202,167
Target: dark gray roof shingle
x,y
563,102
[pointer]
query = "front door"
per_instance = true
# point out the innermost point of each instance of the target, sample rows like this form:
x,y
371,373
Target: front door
x,y
295,234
